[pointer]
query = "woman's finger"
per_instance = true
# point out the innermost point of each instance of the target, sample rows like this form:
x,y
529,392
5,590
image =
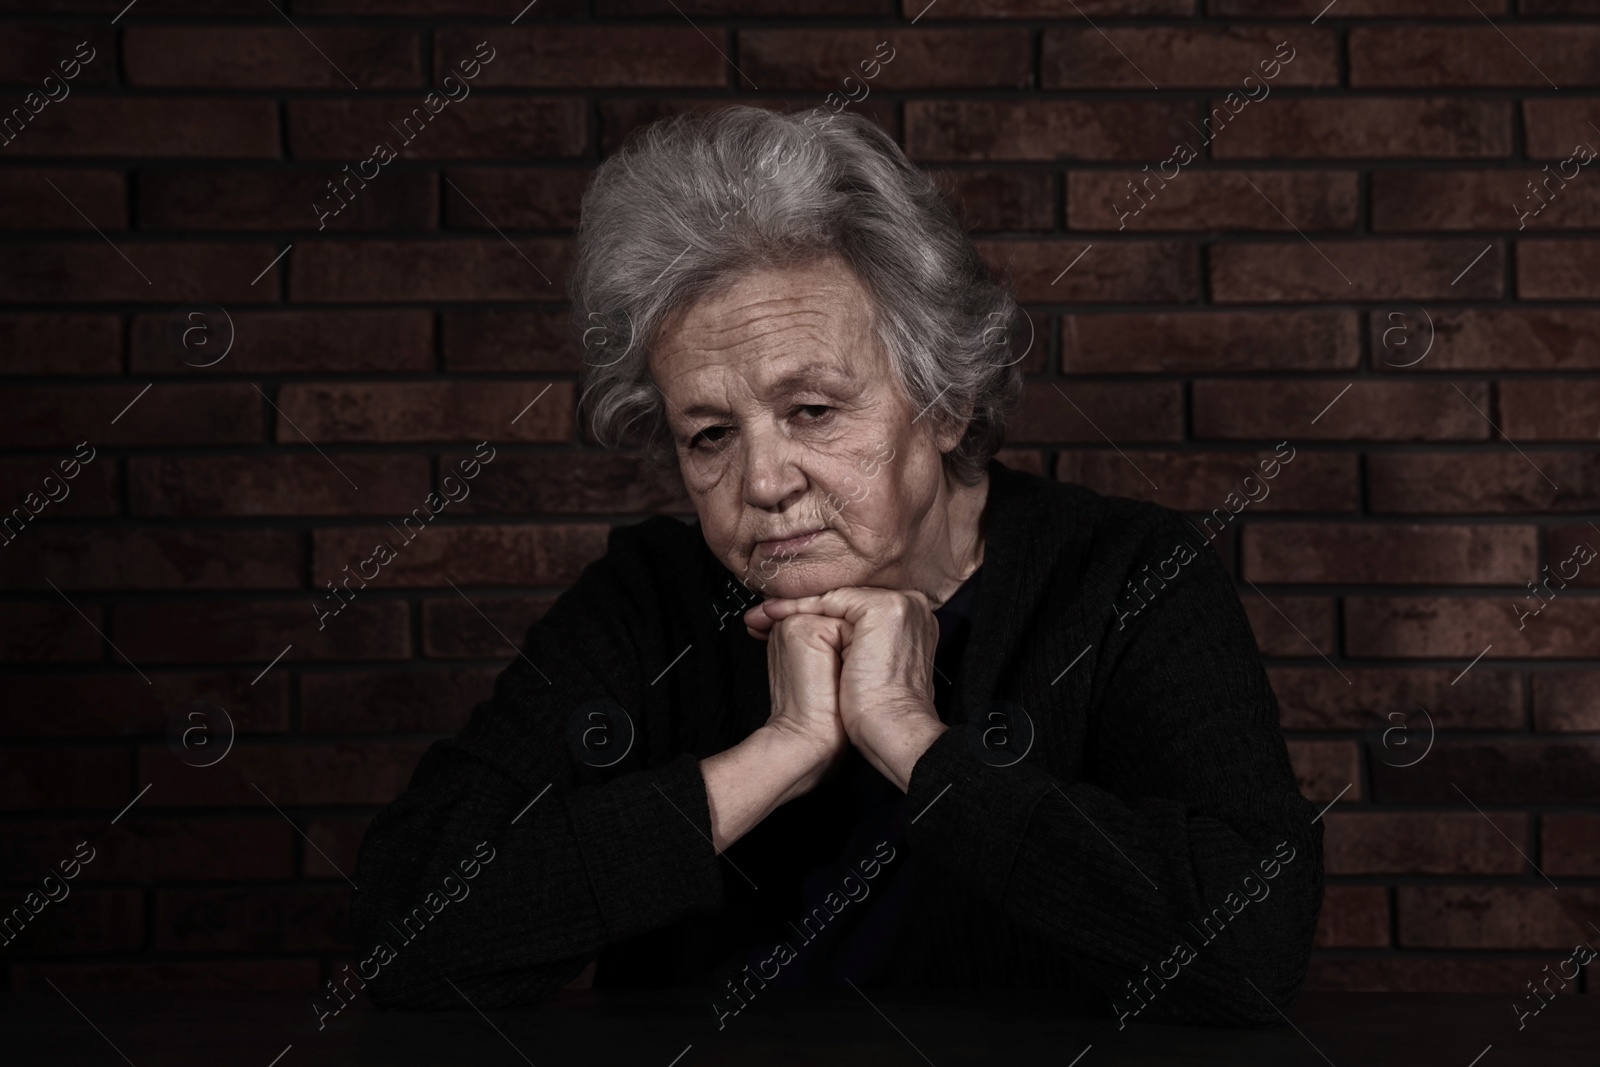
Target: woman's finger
x,y
783,607
756,618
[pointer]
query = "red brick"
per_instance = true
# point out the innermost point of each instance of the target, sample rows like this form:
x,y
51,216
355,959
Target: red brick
x,y
142,849
92,492
619,118
1481,200
31,51
1464,626
153,557
1473,56
1158,271
1353,916
336,842
1367,128
1377,699
286,342
1419,974
1493,917
486,627
1408,843
90,920
1026,459
254,632
294,919
1364,270
746,8
201,975
1083,411
1200,481
571,56
531,198
1186,57
572,483
1566,548
121,703
545,9
427,411
168,414
114,127
1389,553
1569,845
1323,768
271,57
408,271
1291,625
1062,9
998,199
1147,199
345,772
1366,9
843,61
60,344
285,200
537,341
1534,771
520,128
1453,482
434,700
1558,270
209,8
1511,338
1550,409
54,777
1209,342
93,270
480,555
1552,127
286,484
980,130
27,201
1259,409
50,631
1566,701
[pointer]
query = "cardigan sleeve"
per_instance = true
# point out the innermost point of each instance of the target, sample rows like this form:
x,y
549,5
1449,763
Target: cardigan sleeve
x,y
1182,868
578,856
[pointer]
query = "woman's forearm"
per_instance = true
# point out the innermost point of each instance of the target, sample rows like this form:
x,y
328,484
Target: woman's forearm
x,y
754,778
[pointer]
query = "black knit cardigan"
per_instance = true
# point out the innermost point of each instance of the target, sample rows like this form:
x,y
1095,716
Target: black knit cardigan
x,y
1136,854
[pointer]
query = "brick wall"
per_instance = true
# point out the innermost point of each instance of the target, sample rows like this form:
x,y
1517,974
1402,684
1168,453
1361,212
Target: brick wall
x,y
1349,259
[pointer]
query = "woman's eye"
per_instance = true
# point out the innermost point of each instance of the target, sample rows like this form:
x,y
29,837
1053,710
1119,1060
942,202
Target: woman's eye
x,y
711,434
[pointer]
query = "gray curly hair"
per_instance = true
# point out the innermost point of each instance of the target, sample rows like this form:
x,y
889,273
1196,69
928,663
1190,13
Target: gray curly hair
x,y
694,199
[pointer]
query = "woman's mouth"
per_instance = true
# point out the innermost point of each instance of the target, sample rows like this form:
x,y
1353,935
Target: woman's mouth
x,y
788,545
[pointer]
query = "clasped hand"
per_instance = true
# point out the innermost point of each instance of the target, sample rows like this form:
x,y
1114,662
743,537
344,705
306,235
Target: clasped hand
x,y
853,666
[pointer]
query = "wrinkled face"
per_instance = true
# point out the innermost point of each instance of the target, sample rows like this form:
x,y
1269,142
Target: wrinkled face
x,y
808,468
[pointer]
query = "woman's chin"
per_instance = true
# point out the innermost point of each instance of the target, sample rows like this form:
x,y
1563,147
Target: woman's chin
x,y
798,580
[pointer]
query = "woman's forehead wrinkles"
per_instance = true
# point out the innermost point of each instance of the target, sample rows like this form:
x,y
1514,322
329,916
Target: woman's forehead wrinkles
x,y
768,381
764,325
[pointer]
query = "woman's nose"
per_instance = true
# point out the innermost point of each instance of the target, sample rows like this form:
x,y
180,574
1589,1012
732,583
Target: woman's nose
x,y
772,473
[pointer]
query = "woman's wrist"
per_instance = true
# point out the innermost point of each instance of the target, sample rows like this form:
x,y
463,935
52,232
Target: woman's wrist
x,y
896,753
751,780
798,760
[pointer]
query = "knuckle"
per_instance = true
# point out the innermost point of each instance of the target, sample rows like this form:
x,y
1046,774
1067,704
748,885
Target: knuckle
x,y
794,626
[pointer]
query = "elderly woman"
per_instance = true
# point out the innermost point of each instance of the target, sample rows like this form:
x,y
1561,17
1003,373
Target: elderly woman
x,y
890,712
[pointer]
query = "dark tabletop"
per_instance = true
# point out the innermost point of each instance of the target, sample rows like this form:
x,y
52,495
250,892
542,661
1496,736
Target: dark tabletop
x,y
662,1029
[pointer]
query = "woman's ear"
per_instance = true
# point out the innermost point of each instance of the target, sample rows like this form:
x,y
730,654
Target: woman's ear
x,y
949,430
